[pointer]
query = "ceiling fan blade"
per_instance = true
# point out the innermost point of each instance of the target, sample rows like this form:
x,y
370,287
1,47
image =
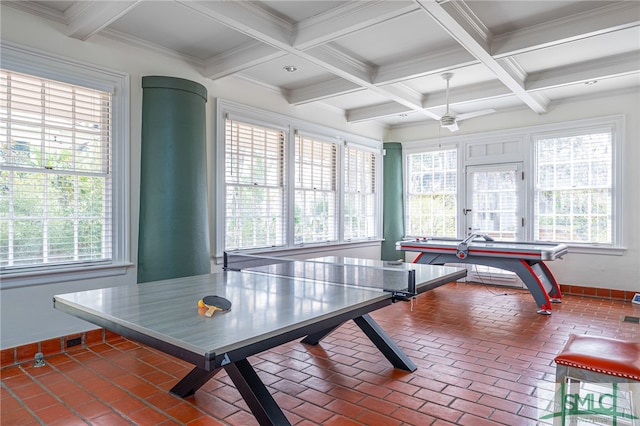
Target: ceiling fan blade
x,y
469,115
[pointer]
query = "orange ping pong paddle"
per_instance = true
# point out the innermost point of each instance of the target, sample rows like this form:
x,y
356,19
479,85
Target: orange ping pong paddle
x,y
214,304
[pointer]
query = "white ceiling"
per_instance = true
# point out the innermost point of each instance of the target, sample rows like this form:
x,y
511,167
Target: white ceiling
x,y
383,60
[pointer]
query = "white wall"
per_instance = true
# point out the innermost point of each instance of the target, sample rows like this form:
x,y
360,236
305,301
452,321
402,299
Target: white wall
x,y
621,272
27,313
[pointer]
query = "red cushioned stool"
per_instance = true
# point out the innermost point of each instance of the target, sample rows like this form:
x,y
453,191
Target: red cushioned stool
x,y
598,360
601,360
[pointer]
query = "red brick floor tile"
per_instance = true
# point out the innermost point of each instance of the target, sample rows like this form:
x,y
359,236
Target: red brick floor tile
x,y
404,400
92,409
341,421
373,418
412,417
312,412
344,408
55,413
147,416
109,419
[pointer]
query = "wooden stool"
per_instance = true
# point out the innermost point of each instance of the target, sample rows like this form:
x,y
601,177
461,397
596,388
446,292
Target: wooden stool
x,y
598,360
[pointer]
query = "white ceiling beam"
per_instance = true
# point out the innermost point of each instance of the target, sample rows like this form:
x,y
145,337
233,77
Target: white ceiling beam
x,y
313,32
247,19
347,19
469,32
432,63
599,69
256,23
86,18
237,60
320,91
435,102
576,27
388,109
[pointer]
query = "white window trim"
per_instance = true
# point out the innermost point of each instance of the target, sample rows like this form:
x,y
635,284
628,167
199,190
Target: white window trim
x,y
526,134
240,112
417,147
616,124
25,60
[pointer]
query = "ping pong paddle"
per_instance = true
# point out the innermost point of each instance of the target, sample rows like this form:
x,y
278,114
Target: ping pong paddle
x,y
214,304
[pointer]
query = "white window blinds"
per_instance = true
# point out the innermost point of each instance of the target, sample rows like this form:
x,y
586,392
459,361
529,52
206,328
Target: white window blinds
x,y
574,188
359,193
315,190
255,186
432,193
55,174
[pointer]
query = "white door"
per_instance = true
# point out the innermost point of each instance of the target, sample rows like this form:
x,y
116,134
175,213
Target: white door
x,y
494,201
494,206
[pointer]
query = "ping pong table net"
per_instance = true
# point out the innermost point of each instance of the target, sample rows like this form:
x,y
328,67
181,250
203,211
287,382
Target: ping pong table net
x,y
397,280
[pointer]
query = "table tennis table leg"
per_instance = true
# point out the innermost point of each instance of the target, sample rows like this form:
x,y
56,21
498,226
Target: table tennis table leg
x,y
384,343
255,394
193,381
314,339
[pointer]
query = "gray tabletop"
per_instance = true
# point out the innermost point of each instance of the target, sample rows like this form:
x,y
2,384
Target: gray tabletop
x,y
262,306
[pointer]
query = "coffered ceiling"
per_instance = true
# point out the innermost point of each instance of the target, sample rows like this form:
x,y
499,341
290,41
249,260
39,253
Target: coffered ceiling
x,y
384,60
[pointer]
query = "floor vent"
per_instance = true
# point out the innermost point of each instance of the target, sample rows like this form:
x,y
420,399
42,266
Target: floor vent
x,y
633,320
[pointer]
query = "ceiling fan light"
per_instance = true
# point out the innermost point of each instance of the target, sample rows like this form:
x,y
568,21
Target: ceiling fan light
x,y
447,120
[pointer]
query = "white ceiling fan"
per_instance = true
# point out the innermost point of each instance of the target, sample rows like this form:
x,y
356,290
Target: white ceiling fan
x,y
450,121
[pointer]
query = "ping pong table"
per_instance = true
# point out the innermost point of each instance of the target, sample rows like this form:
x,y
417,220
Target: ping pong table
x,y
527,260
274,301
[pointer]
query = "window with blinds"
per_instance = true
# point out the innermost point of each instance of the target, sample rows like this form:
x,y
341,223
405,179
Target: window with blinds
x,y
359,193
255,186
315,186
55,173
431,196
573,199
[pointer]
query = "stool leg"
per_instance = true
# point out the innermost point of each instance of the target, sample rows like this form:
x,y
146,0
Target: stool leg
x,y
634,392
561,387
568,386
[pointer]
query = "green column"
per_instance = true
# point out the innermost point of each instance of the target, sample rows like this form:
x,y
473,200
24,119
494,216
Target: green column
x,y
393,207
174,227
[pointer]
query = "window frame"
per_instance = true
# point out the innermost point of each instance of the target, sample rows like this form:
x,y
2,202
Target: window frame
x,y
240,112
413,149
377,190
24,60
616,126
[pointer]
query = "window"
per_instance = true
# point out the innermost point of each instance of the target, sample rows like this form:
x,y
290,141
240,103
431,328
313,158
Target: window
x,y
431,195
359,193
283,183
255,186
63,174
315,190
573,200
56,184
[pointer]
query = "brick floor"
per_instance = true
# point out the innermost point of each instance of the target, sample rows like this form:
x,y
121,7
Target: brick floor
x,y
484,357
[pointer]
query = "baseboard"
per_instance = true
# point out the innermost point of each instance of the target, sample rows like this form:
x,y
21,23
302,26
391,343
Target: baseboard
x,y
59,345
603,293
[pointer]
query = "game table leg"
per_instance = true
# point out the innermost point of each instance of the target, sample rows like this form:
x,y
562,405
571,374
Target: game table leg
x,y
255,394
193,381
384,343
